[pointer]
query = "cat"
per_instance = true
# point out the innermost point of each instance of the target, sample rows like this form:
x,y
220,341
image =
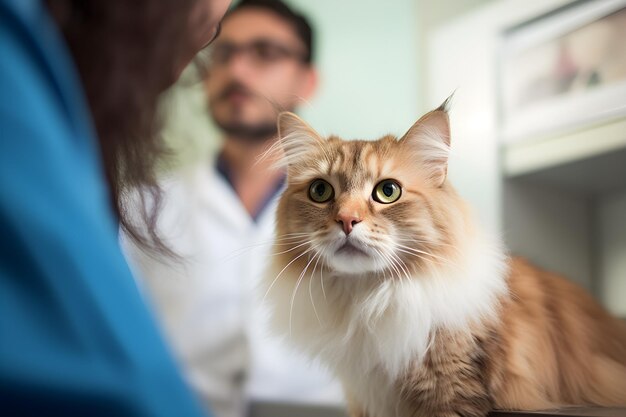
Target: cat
x,y
380,272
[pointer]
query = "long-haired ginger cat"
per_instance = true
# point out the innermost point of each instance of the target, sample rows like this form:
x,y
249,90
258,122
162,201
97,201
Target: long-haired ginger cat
x,y
380,271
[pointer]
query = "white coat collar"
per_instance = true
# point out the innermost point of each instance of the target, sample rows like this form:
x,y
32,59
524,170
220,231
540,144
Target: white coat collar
x,y
217,195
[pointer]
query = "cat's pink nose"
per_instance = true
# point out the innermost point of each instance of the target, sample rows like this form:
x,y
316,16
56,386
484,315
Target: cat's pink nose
x,y
347,221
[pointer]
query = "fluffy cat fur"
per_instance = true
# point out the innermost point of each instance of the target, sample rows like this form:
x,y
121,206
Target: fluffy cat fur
x,y
416,310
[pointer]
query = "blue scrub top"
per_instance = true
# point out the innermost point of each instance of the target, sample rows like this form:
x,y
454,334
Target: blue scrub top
x,y
75,335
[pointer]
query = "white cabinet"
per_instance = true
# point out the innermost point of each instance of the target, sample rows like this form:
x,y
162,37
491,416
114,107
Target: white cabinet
x,y
559,198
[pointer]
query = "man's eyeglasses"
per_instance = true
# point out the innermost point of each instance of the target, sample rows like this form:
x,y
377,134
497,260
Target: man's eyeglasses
x,y
260,52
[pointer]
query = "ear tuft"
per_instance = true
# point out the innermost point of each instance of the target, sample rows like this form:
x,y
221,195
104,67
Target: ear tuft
x,y
289,123
429,139
296,138
445,106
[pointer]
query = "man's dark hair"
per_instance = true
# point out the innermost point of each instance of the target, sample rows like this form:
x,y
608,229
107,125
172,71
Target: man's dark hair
x,y
126,53
299,23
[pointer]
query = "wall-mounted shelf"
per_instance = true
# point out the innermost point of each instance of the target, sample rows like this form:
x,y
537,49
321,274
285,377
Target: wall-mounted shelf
x,y
590,161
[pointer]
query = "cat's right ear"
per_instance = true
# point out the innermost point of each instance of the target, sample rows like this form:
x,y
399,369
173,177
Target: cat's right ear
x,y
296,138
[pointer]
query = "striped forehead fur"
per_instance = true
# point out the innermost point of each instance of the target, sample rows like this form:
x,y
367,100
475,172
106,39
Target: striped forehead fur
x,y
301,146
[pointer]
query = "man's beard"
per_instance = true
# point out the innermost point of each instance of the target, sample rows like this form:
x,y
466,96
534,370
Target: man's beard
x,y
248,132
257,133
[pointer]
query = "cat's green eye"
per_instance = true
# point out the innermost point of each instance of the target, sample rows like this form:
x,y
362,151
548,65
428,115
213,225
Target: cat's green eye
x,y
321,191
387,191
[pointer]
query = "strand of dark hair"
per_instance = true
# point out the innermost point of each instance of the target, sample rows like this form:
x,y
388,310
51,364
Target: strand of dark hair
x,y
125,52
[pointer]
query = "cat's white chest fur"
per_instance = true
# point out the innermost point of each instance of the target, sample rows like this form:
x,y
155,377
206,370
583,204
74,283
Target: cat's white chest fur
x,y
368,330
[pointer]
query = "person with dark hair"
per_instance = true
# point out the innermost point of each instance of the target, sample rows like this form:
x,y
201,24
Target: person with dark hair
x,y
79,83
219,217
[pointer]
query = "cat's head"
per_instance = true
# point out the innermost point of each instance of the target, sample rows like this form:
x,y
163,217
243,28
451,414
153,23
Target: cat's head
x,y
368,206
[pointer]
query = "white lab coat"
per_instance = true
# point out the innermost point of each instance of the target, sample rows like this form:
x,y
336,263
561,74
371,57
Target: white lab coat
x,y
209,304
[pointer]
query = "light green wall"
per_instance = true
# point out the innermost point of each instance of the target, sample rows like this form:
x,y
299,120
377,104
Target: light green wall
x,y
368,54
372,57
187,128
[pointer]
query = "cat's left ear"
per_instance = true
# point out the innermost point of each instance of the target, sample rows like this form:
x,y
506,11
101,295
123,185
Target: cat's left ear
x,y
429,138
296,137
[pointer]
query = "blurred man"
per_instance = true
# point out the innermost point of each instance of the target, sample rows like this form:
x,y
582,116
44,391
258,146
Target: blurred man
x,y
220,217
261,65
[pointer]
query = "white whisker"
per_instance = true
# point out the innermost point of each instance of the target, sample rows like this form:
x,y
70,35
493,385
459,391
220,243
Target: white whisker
x,y
294,248
295,290
429,261
420,251
392,263
322,276
310,292
272,242
401,264
281,272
